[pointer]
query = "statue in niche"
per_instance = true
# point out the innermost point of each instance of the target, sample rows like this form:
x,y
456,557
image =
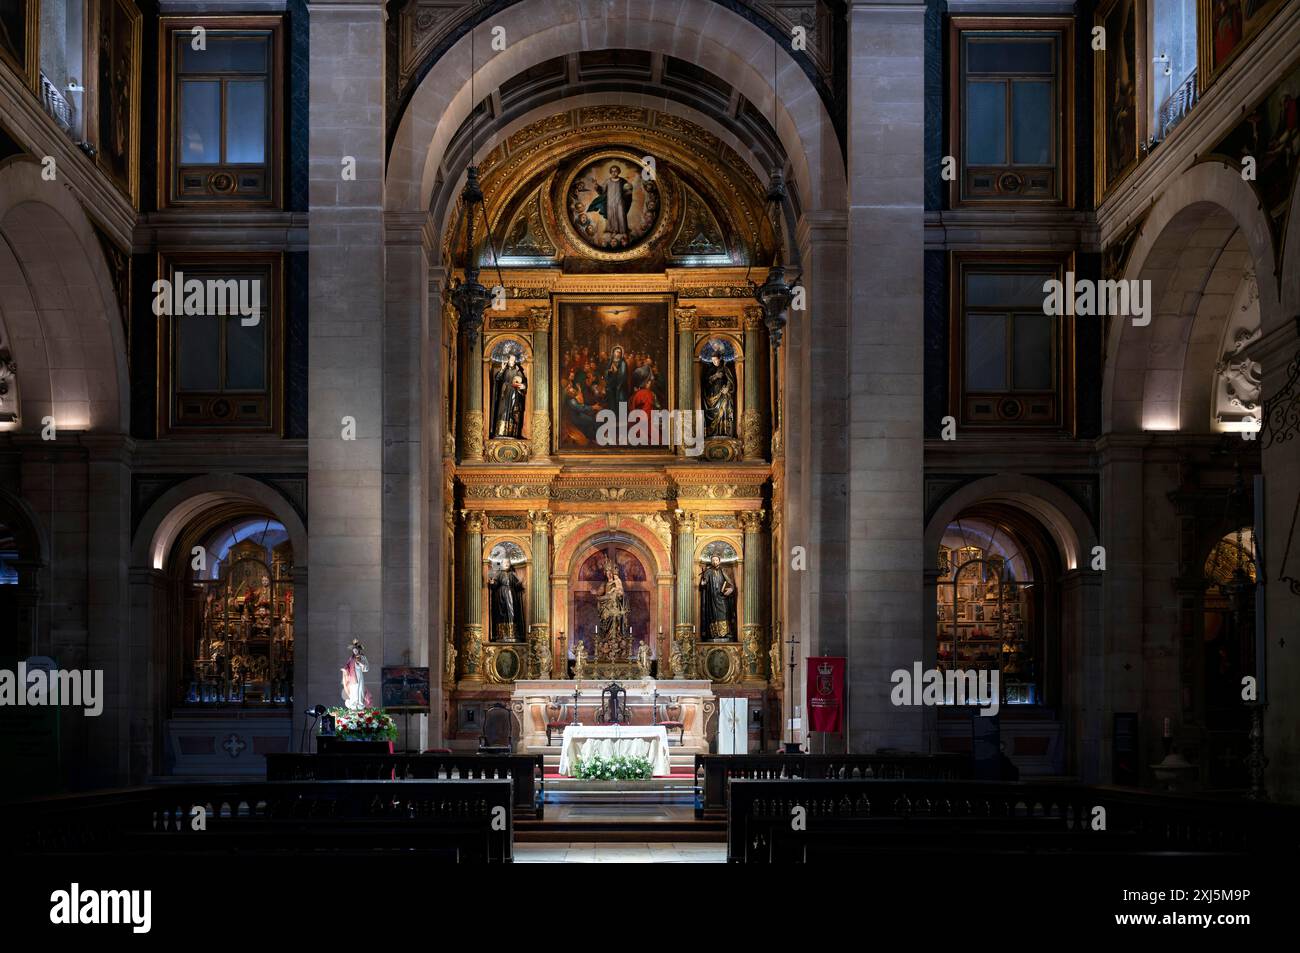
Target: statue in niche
x,y
718,389
509,388
613,641
507,596
717,602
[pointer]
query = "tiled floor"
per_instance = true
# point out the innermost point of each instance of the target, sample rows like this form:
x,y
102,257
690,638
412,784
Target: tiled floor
x,y
621,853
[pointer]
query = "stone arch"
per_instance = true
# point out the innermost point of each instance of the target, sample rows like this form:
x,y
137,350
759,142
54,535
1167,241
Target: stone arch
x,y
167,518
21,520
1181,250
1051,506
699,31
59,313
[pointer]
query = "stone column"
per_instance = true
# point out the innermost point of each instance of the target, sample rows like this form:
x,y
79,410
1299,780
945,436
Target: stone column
x,y
471,583
539,587
685,368
346,254
684,631
753,421
753,632
880,615
540,319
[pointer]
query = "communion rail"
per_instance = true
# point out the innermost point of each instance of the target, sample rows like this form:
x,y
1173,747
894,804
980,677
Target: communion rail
x,y
525,770
718,769
456,821
806,821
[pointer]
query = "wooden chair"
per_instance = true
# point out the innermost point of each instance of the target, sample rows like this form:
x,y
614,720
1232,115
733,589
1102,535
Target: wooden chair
x,y
613,705
561,722
498,735
677,726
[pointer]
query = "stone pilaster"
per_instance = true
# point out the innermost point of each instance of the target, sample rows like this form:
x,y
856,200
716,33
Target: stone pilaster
x,y
471,420
684,524
539,592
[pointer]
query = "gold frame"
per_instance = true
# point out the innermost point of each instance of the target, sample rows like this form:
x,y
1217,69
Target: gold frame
x,y
131,187
490,541
1208,72
490,340
167,117
31,71
1065,160
668,212
1101,187
557,303
1065,372
276,345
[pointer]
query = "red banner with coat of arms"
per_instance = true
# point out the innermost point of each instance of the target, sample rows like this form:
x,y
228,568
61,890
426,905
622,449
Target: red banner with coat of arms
x,y
826,694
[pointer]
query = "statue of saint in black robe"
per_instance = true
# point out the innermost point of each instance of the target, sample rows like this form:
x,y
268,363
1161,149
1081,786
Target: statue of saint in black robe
x,y
507,606
716,602
718,397
509,385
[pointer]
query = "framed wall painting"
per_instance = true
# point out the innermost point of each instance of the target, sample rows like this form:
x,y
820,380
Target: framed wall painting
x,y
1223,29
117,91
1119,94
20,36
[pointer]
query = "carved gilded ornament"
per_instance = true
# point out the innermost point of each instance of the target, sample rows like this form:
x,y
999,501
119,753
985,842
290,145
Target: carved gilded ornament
x,y
495,491
684,522
540,318
719,491
449,444
508,450
541,434
751,433
776,660
540,658
472,639
751,521
473,428
659,525
541,520
449,659
473,520
752,644
686,318
754,319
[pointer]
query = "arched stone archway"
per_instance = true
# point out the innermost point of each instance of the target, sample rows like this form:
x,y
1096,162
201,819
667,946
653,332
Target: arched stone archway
x,y
1183,240
58,315
1079,651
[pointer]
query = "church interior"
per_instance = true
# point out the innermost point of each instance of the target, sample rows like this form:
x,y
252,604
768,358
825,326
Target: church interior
x,y
605,430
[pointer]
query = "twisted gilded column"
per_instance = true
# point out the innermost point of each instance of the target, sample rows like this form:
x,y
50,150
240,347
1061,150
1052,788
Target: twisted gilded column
x,y
753,632
753,420
686,367
471,419
540,320
683,654
471,581
539,595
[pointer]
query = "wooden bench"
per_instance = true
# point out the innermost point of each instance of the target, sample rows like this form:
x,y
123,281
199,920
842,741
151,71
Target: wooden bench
x,y
839,818
524,770
718,769
462,821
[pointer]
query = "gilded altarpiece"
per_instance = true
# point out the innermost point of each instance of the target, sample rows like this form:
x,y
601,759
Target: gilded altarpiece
x,y
636,554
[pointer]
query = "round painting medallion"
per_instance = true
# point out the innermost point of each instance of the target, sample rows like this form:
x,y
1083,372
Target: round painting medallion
x,y
613,205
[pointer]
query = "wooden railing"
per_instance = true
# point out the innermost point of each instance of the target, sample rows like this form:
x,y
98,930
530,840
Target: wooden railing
x,y
461,821
718,769
524,770
842,818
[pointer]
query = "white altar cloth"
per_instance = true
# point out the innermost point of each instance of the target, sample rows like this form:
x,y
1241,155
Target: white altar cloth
x,y
581,742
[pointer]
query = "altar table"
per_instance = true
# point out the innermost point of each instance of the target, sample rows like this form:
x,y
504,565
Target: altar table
x,y
605,741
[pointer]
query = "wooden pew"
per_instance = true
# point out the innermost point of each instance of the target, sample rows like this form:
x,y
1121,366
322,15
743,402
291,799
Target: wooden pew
x,y
525,770
460,821
881,817
718,769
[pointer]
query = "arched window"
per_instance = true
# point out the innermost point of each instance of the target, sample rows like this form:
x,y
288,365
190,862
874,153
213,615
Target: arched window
x,y
987,617
238,616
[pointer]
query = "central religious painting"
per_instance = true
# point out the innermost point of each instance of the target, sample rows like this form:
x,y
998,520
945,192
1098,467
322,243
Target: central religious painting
x,y
611,355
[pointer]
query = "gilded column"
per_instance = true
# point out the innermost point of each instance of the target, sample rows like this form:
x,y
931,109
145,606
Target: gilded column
x,y
540,319
753,631
451,324
686,366
471,580
683,652
471,421
539,594
753,420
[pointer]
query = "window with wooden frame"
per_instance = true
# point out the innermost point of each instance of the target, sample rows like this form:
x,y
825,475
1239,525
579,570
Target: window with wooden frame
x,y
1011,105
221,106
220,371
1010,364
